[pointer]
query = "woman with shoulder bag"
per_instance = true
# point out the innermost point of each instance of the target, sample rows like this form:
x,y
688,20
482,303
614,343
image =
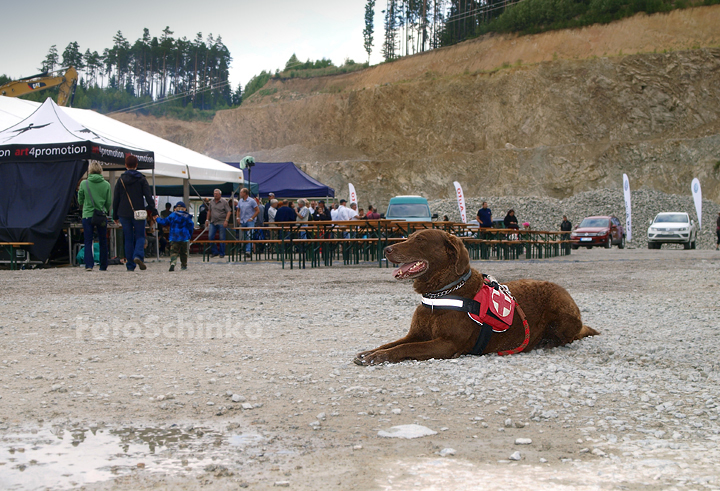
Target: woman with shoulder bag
x,y
94,198
129,210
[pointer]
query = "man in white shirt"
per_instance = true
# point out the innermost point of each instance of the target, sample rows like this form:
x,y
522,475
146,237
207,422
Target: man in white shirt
x,y
334,212
352,212
272,211
343,211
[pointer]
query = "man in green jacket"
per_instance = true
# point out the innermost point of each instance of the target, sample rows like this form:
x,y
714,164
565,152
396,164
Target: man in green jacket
x,y
94,194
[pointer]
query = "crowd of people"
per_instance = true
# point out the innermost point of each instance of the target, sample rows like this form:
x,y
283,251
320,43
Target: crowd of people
x,y
133,208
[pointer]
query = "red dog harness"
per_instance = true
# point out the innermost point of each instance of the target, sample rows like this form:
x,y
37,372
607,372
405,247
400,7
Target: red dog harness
x,y
493,307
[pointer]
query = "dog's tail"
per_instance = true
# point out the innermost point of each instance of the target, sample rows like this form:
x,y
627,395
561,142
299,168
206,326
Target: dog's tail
x,y
587,331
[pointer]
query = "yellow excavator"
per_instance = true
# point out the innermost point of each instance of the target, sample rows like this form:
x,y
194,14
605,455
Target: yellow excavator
x,y
66,81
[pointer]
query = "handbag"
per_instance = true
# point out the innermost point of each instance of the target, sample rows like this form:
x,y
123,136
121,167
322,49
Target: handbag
x,y
139,214
98,219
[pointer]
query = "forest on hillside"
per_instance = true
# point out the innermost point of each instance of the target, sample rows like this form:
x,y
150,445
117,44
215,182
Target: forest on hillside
x,y
413,26
188,76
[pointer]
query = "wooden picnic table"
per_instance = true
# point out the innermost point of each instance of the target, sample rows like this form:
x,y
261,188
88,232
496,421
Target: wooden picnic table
x,y
323,242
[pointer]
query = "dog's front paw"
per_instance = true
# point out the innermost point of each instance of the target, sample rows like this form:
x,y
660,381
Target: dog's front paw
x,y
370,358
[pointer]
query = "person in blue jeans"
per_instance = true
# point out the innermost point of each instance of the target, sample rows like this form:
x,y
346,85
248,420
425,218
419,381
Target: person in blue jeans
x,y
130,191
94,193
218,218
247,212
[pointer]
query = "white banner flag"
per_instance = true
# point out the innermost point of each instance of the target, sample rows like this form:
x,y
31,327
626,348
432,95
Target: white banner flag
x,y
353,196
461,201
697,196
628,210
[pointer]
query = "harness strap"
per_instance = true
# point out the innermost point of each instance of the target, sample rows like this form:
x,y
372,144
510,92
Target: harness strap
x,y
482,340
452,302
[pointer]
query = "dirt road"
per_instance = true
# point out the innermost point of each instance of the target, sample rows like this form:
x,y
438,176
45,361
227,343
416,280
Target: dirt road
x,y
228,376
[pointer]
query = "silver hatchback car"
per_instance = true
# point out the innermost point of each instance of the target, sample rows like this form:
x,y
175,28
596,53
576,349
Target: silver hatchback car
x,y
672,228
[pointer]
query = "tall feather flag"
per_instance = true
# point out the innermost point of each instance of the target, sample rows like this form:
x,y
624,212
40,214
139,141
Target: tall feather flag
x,y
697,196
461,201
628,209
353,195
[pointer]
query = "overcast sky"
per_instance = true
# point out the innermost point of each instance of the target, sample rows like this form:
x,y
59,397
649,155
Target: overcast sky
x,y
261,35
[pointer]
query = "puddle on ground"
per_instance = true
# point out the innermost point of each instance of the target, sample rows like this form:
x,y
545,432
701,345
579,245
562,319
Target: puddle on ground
x,y
57,457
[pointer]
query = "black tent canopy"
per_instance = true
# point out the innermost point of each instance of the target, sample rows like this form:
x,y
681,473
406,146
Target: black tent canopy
x,y
42,158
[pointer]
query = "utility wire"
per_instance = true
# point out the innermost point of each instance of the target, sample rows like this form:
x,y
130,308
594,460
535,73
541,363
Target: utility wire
x,y
171,98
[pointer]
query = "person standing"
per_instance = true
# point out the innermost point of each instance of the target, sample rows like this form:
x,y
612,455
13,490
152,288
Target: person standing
x,y
354,215
268,205
303,215
202,212
372,213
94,194
166,212
566,225
285,213
130,191
247,212
181,229
484,216
334,212
272,209
218,217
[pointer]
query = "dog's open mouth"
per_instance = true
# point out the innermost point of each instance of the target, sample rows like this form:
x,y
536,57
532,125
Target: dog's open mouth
x,y
410,270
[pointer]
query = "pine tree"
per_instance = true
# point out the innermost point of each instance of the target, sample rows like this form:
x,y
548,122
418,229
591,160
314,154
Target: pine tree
x,y
389,45
72,56
369,27
51,59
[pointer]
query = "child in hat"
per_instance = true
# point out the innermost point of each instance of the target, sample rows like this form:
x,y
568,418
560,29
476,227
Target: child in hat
x,y
181,230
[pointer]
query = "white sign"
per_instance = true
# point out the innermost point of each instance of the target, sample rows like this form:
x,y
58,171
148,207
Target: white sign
x,y
697,196
461,201
628,211
353,195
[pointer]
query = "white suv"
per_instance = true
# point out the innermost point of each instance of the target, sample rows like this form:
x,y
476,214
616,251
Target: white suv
x,y
672,228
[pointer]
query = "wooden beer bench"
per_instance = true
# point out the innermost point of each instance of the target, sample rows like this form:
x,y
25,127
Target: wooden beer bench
x,y
10,248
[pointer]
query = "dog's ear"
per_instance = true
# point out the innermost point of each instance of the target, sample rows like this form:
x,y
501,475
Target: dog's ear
x,y
457,250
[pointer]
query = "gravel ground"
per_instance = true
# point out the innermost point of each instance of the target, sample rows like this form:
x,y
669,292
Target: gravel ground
x,y
241,375
547,213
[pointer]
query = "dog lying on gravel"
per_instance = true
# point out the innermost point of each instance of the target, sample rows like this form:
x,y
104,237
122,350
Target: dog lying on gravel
x,y
449,323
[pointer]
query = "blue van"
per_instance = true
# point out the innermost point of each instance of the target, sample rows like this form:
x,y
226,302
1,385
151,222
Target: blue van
x,y
409,208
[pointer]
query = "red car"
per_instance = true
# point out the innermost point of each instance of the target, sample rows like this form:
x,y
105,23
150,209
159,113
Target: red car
x,y
604,231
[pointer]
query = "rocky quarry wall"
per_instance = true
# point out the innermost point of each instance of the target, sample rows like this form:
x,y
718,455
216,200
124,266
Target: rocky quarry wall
x,y
548,115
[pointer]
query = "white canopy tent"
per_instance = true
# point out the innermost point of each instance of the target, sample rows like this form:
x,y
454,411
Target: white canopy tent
x,y
173,163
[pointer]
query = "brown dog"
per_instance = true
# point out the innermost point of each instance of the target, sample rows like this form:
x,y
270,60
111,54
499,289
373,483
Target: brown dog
x,y
435,260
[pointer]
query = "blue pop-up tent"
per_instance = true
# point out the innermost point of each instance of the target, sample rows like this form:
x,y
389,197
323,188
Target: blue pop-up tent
x,y
285,180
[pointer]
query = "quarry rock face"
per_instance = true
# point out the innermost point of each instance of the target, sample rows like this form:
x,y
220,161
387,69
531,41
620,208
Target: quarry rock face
x,y
553,129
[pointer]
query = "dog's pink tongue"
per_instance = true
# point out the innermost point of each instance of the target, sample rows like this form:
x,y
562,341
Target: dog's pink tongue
x,y
402,270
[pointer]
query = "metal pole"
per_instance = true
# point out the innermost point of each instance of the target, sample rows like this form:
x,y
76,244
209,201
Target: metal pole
x,y
157,230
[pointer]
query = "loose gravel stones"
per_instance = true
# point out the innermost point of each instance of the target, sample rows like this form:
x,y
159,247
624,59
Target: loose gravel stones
x,y
636,406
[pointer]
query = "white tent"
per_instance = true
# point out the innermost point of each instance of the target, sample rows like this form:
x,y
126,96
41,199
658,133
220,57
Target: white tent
x,y
173,163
